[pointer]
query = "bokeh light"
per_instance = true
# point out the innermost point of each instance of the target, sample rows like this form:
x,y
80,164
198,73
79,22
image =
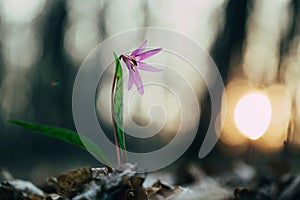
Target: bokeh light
x,y
24,43
277,131
252,115
265,111
82,31
81,37
21,11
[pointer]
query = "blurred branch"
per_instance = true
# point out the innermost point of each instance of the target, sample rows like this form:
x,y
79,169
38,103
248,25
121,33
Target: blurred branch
x,y
230,40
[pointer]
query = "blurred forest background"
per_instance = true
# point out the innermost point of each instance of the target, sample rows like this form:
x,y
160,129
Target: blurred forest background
x,y
42,44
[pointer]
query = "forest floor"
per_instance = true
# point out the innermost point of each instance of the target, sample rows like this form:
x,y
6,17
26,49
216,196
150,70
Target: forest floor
x,y
189,181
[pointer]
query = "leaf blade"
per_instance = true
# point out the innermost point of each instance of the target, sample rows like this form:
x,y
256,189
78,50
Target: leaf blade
x,y
118,104
65,135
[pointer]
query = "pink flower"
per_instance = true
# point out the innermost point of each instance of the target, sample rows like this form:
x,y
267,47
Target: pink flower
x,y
134,64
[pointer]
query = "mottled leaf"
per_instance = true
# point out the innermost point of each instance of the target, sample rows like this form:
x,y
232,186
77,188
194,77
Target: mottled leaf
x,y
118,104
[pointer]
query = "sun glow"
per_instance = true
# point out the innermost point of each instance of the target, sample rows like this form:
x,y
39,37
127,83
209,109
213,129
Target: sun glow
x,y
252,115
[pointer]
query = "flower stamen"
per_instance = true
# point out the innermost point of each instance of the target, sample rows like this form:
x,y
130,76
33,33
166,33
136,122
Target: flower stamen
x,y
133,64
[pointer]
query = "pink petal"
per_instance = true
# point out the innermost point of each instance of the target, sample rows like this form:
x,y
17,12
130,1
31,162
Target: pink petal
x,y
138,82
139,50
130,80
146,67
147,54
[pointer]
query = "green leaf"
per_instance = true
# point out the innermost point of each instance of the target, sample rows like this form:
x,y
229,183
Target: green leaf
x,y
65,135
118,104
